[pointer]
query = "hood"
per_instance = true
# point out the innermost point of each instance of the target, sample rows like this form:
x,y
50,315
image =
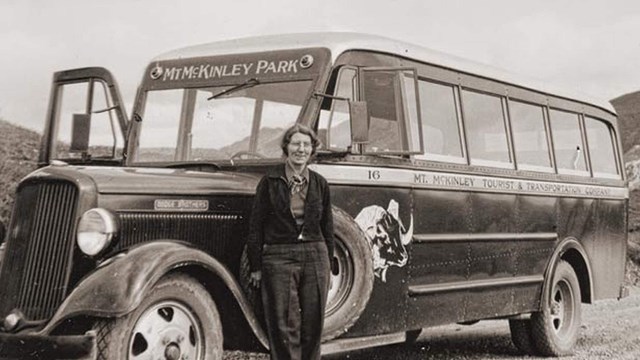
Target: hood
x,y
119,180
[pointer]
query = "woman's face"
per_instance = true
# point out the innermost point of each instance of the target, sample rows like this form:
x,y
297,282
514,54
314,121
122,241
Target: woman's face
x,y
299,149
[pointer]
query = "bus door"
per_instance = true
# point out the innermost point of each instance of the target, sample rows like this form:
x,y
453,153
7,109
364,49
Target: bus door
x,y
86,119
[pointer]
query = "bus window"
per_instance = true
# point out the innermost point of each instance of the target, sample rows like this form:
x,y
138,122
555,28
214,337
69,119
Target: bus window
x,y
335,121
567,142
440,128
393,117
485,128
601,151
529,136
158,140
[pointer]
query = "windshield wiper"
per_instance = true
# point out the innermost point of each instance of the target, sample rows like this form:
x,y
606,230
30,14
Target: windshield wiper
x,y
247,84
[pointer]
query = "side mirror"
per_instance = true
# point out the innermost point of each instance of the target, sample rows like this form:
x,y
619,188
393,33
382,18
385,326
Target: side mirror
x,y
359,122
80,133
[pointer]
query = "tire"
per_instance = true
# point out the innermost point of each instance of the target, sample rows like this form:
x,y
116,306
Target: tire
x,y
349,291
177,319
351,288
521,336
554,329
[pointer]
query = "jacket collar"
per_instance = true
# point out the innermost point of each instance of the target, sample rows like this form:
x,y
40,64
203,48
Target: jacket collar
x,y
290,173
277,171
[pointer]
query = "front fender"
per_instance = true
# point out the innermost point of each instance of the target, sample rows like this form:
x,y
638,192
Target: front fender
x,y
118,287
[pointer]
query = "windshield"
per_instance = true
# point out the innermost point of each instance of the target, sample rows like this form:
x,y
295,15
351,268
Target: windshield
x,y
219,123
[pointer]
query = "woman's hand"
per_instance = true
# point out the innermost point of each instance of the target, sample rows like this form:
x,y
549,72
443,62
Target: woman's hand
x,y
255,278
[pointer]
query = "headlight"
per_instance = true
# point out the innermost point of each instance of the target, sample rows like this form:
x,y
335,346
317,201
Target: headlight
x,y
96,229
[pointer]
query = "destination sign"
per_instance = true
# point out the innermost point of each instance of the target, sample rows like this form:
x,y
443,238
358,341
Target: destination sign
x,y
213,71
208,71
430,179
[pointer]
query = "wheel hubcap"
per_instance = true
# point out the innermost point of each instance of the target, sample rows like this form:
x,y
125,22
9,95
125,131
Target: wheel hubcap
x,y
172,352
341,283
561,308
167,330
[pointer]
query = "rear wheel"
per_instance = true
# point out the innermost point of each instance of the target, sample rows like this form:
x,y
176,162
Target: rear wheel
x,y
554,330
176,320
521,336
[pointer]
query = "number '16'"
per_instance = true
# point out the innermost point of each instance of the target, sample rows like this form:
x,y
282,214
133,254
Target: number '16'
x,y
374,174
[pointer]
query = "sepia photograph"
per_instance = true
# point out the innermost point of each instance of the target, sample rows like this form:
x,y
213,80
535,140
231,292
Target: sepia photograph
x,y
363,180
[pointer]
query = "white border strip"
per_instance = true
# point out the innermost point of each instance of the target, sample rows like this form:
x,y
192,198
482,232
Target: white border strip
x,y
381,176
476,284
418,238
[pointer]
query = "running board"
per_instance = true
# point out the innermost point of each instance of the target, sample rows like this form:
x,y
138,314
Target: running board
x,y
349,344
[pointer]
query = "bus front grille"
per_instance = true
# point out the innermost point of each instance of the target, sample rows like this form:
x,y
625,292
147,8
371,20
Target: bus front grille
x,y
209,232
34,275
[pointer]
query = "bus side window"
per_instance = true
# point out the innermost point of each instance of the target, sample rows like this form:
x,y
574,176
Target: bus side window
x,y
529,136
440,125
334,122
601,149
394,119
485,128
567,142
384,124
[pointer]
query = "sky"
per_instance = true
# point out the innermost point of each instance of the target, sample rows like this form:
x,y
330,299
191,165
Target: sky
x,y
591,46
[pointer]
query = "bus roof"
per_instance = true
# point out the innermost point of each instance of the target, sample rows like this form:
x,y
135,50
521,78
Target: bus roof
x,y
339,42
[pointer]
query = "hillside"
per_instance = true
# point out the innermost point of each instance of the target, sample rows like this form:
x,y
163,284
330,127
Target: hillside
x,y
628,109
18,157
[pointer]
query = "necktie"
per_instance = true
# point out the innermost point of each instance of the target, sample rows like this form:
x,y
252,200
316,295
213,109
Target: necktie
x,y
296,184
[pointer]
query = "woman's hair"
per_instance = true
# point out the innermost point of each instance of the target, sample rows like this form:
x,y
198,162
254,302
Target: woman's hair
x,y
297,128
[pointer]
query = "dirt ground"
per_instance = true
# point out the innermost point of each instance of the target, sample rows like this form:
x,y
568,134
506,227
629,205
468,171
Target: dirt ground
x,y
610,330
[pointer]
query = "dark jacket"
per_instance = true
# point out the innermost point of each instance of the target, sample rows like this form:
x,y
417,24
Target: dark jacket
x,y
272,221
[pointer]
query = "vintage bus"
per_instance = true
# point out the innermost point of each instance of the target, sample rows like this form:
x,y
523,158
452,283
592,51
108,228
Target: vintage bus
x,y
460,193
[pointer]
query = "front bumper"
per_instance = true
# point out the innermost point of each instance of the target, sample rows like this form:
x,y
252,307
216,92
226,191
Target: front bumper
x,y
44,347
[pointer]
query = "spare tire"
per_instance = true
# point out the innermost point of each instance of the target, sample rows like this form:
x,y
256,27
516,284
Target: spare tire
x,y
350,288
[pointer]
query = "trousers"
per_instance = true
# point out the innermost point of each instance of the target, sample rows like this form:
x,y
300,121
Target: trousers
x,y
295,283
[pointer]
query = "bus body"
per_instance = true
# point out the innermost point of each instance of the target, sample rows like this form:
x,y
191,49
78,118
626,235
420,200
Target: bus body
x,y
460,193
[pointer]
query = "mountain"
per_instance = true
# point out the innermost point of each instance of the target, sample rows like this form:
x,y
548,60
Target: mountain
x,y
18,157
628,109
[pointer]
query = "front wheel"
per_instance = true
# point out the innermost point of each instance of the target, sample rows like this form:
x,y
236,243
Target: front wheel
x,y
176,320
554,329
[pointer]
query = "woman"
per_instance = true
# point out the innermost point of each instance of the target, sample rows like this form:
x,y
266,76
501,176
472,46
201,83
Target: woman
x,y
290,248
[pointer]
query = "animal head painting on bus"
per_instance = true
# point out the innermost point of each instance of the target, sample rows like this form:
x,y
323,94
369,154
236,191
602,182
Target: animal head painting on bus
x,y
386,235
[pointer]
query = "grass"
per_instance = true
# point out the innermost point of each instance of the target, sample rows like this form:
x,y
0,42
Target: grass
x,y
18,157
